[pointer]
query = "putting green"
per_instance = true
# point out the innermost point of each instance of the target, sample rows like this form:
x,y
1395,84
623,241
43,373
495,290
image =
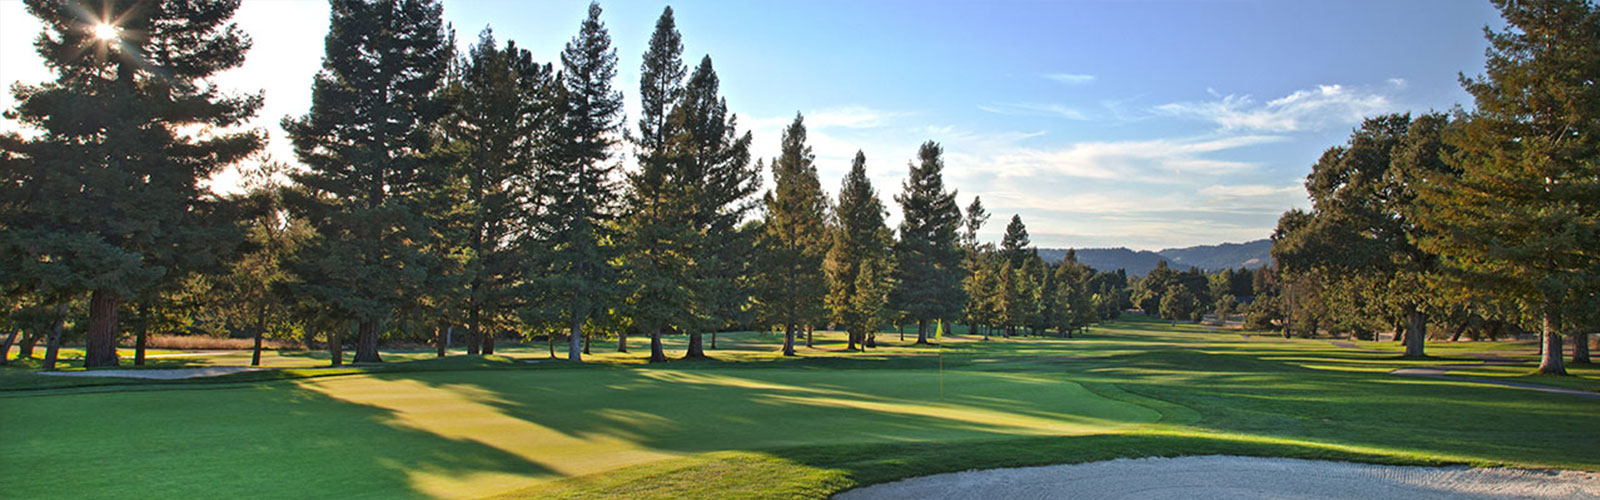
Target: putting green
x,y
469,434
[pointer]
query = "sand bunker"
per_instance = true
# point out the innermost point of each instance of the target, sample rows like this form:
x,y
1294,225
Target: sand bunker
x,y
1230,477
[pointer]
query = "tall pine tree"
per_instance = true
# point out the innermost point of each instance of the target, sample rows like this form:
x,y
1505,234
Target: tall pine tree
x,y
1015,247
107,197
577,186
500,103
1520,221
857,263
928,258
655,223
716,184
364,144
794,239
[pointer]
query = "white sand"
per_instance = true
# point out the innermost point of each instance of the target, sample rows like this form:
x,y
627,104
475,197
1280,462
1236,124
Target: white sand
x,y
1229,477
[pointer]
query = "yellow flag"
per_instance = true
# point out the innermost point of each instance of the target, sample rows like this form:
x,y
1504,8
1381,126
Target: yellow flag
x,y
938,331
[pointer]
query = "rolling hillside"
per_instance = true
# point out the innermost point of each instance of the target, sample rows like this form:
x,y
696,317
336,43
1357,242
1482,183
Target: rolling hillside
x,y
1251,255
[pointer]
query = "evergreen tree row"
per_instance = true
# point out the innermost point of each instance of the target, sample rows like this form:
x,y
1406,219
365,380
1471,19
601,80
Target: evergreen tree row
x,y
435,192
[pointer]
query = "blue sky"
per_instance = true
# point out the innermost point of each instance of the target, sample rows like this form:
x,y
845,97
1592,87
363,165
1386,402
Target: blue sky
x,y
1146,124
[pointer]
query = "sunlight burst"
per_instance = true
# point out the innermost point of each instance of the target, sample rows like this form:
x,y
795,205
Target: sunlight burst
x,y
106,32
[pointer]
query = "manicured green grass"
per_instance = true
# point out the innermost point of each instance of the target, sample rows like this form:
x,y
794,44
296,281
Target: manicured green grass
x,y
751,424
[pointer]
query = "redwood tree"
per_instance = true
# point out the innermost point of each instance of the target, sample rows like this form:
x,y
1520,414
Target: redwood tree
x,y
365,145
109,200
654,223
576,188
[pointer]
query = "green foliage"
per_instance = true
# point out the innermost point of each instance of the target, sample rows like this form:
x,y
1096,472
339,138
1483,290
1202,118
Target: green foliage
x,y
928,260
572,230
794,239
1014,246
1522,219
252,295
365,144
655,226
500,102
1363,224
715,161
1074,296
104,194
858,262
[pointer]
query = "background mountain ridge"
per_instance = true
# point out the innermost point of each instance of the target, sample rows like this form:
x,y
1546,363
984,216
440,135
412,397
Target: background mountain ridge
x,y
1250,254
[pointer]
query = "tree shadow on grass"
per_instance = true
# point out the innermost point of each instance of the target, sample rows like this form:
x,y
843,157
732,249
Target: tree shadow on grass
x,y
1283,399
273,440
692,411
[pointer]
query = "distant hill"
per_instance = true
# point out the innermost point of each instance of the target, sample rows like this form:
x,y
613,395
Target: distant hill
x,y
1251,255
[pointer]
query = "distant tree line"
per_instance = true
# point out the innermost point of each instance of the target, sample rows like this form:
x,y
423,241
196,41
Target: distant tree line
x,y
478,195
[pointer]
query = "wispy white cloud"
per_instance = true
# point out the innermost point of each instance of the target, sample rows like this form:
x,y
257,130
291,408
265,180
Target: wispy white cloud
x,y
1247,191
1070,78
1034,109
848,117
856,117
1309,109
1149,161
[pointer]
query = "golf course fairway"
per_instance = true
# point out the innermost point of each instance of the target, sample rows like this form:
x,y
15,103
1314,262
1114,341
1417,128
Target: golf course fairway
x,y
754,425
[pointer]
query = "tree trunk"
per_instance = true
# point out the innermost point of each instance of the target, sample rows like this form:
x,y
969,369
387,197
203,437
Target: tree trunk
x,y
1550,358
1416,333
850,339
809,331
25,349
5,349
441,339
922,332
488,343
367,342
622,341
788,340
550,340
872,340
575,341
336,347
588,338
261,331
255,352
657,355
713,340
1580,348
141,334
140,337
100,347
52,346
474,344
696,350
